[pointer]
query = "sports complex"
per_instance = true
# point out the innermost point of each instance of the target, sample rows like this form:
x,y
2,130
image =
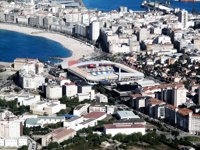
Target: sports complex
x,y
96,71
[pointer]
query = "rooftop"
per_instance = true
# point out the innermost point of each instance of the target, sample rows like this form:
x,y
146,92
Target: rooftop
x,y
94,115
62,132
125,114
112,126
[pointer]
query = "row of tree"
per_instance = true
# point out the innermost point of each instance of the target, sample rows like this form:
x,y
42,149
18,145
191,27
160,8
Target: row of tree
x,y
13,107
88,140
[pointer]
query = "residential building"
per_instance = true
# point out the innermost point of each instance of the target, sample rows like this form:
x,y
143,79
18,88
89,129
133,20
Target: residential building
x,y
53,91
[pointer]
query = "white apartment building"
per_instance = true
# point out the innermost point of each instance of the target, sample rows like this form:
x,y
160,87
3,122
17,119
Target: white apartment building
x,y
81,29
94,30
11,128
13,142
101,98
20,62
70,89
30,80
53,91
183,18
88,96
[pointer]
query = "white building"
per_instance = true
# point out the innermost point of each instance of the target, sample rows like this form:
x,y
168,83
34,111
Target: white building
x,y
109,109
101,98
127,129
53,92
20,62
28,100
30,80
73,122
88,120
97,108
70,89
13,142
183,18
43,120
10,129
81,109
47,108
85,92
86,96
81,29
94,30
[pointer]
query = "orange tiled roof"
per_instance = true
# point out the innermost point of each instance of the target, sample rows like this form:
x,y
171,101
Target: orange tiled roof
x,y
184,111
161,86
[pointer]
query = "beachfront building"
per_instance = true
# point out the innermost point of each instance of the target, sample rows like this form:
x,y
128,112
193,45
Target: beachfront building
x,y
30,73
94,30
19,63
30,80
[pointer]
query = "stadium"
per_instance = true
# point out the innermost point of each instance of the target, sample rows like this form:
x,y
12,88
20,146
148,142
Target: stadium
x,y
94,72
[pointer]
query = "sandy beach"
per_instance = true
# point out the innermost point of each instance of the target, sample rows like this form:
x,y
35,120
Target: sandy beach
x,y
77,48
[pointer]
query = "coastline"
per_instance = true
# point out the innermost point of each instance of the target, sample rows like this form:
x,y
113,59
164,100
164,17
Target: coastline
x,y
77,48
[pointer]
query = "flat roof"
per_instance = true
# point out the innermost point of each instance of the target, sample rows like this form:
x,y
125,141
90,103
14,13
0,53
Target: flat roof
x,y
127,114
62,132
94,115
112,126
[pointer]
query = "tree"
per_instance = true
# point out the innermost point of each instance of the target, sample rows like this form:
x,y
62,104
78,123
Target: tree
x,y
23,148
151,138
53,145
94,140
175,133
119,137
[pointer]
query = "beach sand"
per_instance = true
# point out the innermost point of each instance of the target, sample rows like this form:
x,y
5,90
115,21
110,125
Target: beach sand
x,y
77,48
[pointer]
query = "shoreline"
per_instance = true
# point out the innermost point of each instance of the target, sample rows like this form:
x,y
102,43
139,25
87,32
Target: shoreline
x,y
77,48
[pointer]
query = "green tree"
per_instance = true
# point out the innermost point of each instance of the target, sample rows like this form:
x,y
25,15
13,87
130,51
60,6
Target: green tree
x,y
23,148
151,138
53,145
119,137
175,133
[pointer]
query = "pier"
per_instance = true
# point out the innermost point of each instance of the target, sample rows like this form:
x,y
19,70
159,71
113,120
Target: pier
x,y
156,6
